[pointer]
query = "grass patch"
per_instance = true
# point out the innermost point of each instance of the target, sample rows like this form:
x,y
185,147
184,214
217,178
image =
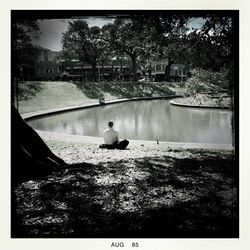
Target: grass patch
x,y
34,96
125,89
47,95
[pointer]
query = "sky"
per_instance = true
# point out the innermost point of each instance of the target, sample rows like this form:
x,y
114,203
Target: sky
x,y
51,30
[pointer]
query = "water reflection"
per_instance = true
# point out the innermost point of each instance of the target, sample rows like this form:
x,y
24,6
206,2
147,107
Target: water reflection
x,y
145,120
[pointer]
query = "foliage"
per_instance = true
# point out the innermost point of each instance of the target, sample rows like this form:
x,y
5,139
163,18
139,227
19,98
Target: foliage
x,y
84,43
145,38
221,100
211,46
125,89
29,90
24,30
125,37
206,81
149,38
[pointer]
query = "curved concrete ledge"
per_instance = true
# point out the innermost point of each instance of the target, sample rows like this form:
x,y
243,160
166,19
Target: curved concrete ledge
x,y
36,114
99,140
197,106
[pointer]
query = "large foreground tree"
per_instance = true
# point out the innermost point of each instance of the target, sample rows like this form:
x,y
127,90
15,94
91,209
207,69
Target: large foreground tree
x,y
31,157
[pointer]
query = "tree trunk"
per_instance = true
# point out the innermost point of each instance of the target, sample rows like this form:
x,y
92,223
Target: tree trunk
x,y
167,70
150,75
83,74
134,67
31,157
94,71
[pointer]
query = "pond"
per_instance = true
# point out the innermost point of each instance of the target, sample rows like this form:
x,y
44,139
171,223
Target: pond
x,y
144,120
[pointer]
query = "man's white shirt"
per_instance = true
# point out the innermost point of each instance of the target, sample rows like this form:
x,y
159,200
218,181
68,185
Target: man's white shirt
x,y
110,136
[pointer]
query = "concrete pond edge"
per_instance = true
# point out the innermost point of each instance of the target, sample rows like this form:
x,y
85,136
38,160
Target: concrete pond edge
x,y
198,106
98,140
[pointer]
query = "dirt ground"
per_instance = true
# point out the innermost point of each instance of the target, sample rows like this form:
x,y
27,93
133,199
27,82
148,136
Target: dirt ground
x,y
159,192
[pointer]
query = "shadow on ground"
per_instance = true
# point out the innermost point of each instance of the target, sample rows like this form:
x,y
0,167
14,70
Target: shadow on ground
x,y
28,90
152,197
124,89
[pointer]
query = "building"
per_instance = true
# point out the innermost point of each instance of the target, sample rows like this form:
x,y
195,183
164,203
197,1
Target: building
x,y
46,67
113,70
177,72
43,64
38,64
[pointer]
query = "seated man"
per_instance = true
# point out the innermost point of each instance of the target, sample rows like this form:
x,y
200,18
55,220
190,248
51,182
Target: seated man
x,y
111,139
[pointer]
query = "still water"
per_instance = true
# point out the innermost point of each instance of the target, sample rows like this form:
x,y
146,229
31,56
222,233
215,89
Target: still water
x,y
144,120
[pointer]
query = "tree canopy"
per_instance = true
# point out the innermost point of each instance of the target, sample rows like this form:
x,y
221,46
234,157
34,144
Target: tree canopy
x,y
24,30
83,42
148,38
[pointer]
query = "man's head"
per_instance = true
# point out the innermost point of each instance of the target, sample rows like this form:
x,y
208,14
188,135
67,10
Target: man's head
x,y
110,124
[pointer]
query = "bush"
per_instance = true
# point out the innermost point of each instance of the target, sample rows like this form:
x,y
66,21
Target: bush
x,y
28,90
206,81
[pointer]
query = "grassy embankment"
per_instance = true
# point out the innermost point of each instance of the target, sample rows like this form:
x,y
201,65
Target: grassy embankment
x,y
34,96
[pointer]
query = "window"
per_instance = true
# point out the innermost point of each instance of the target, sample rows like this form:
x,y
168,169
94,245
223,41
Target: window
x,y
158,67
49,70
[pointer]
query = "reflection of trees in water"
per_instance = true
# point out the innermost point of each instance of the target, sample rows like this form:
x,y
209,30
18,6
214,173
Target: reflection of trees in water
x,y
149,120
201,125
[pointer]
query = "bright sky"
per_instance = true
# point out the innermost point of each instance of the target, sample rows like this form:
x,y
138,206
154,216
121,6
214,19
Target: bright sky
x,y
52,29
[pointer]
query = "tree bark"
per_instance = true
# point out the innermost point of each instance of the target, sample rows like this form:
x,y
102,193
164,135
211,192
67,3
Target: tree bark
x,y
31,157
167,70
94,71
134,67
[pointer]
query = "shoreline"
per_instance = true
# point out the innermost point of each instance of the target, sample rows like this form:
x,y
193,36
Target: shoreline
x,y
152,144
178,104
189,187
99,140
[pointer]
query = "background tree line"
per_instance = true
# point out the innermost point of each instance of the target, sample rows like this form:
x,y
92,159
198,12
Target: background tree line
x,y
144,39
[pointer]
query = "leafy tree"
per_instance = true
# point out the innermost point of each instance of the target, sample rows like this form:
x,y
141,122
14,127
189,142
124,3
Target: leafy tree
x,y
82,42
211,46
206,81
23,32
130,37
164,38
167,38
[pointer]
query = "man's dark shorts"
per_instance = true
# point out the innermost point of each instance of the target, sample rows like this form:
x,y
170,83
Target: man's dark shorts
x,y
120,145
